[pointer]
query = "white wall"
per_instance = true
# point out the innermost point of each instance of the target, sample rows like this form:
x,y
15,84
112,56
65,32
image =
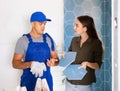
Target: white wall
x,y
115,45
118,46
14,21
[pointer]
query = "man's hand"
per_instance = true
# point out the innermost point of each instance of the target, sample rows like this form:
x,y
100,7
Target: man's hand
x,y
37,68
52,62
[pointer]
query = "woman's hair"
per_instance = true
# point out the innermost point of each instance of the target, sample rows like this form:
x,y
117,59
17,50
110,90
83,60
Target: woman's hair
x,y
88,22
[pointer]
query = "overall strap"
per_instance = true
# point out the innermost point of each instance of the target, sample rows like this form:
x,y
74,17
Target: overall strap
x,y
44,38
52,42
28,36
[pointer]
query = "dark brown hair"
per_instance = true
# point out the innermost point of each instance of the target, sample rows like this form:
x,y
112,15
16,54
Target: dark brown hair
x,y
88,22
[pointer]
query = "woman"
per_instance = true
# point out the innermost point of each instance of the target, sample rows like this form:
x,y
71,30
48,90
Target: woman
x,y
89,53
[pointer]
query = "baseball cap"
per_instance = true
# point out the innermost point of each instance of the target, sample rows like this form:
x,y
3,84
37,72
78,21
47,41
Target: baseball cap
x,y
39,17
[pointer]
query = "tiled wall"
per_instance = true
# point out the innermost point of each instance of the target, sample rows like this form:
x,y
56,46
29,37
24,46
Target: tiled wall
x,y
100,10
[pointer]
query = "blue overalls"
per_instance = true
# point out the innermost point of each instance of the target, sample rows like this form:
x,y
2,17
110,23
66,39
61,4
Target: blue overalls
x,y
37,51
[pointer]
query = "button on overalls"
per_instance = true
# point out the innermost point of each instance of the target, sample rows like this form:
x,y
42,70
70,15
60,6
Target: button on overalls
x,y
37,51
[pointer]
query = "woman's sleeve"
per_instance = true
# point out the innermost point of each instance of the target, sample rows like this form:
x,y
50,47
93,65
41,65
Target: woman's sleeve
x,y
98,52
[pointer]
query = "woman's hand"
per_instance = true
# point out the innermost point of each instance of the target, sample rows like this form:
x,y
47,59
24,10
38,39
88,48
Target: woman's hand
x,y
83,65
90,65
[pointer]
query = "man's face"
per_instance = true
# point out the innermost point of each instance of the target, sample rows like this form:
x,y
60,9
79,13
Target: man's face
x,y
39,27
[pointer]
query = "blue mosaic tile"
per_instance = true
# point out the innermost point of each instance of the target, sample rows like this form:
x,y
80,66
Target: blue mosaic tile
x,y
107,64
102,6
107,54
107,7
78,11
69,5
97,89
78,2
100,74
107,76
107,41
69,16
106,30
108,18
69,30
97,2
107,86
67,41
96,12
99,81
87,5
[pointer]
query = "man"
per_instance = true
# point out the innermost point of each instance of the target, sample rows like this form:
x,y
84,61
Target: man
x,y
35,53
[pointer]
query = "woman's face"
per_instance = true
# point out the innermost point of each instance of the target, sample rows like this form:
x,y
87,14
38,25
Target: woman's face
x,y
79,29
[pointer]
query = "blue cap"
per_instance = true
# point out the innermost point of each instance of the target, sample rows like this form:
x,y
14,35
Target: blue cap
x,y
39,17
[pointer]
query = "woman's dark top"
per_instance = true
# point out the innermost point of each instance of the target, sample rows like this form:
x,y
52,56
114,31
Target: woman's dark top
x,y
90,51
